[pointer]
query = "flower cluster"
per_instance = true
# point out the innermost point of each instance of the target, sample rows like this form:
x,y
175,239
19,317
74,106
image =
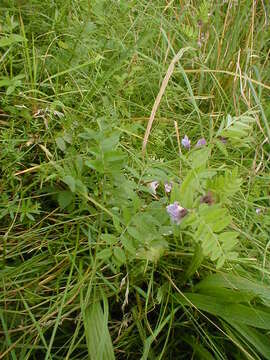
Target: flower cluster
x,y
186,143
176,212
155,184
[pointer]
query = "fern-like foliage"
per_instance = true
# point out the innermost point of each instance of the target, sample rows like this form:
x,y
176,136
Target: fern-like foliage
x,y
190,31
225,186
217,243
203,11
237,129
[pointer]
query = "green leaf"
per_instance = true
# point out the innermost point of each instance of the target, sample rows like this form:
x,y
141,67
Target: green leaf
x,y
65,198
104,254
228,240
128,245
5,82
97,334
119,255
226,185
11,39
195,263
10,89
260,342
152,253
70,181
185,192
209,222
60,142
221,147
235,282
242,314
199,157
109,143
228,295
237,129
95,165
109,238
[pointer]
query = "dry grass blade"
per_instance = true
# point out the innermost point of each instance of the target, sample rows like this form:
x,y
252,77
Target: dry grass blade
x,y
165,81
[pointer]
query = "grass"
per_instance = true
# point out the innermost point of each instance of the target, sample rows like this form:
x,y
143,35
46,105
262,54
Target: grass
x,y
91,265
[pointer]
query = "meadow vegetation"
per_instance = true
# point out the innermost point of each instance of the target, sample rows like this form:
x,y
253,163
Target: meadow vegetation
x,y
121,245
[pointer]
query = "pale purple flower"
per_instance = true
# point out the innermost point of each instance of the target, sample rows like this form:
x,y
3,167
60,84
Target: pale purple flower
x,y
176,212
153,186
258,211
201,142
168,187
186,142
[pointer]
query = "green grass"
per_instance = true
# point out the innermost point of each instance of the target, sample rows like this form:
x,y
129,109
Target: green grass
x,y
91,266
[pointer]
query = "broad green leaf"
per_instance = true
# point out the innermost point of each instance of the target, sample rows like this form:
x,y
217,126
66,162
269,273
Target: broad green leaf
x,y
260,342
114,156
228,295
70,181
235,282
242,314
65,198
97,334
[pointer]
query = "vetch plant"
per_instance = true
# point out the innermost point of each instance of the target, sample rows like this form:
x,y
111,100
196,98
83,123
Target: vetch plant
x,y
153,187
81,209
201,142
168,187
176,212
186,142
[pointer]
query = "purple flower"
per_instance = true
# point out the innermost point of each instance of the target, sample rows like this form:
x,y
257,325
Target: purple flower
x,y
201,142
176,212
153,186
168,187
186,142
